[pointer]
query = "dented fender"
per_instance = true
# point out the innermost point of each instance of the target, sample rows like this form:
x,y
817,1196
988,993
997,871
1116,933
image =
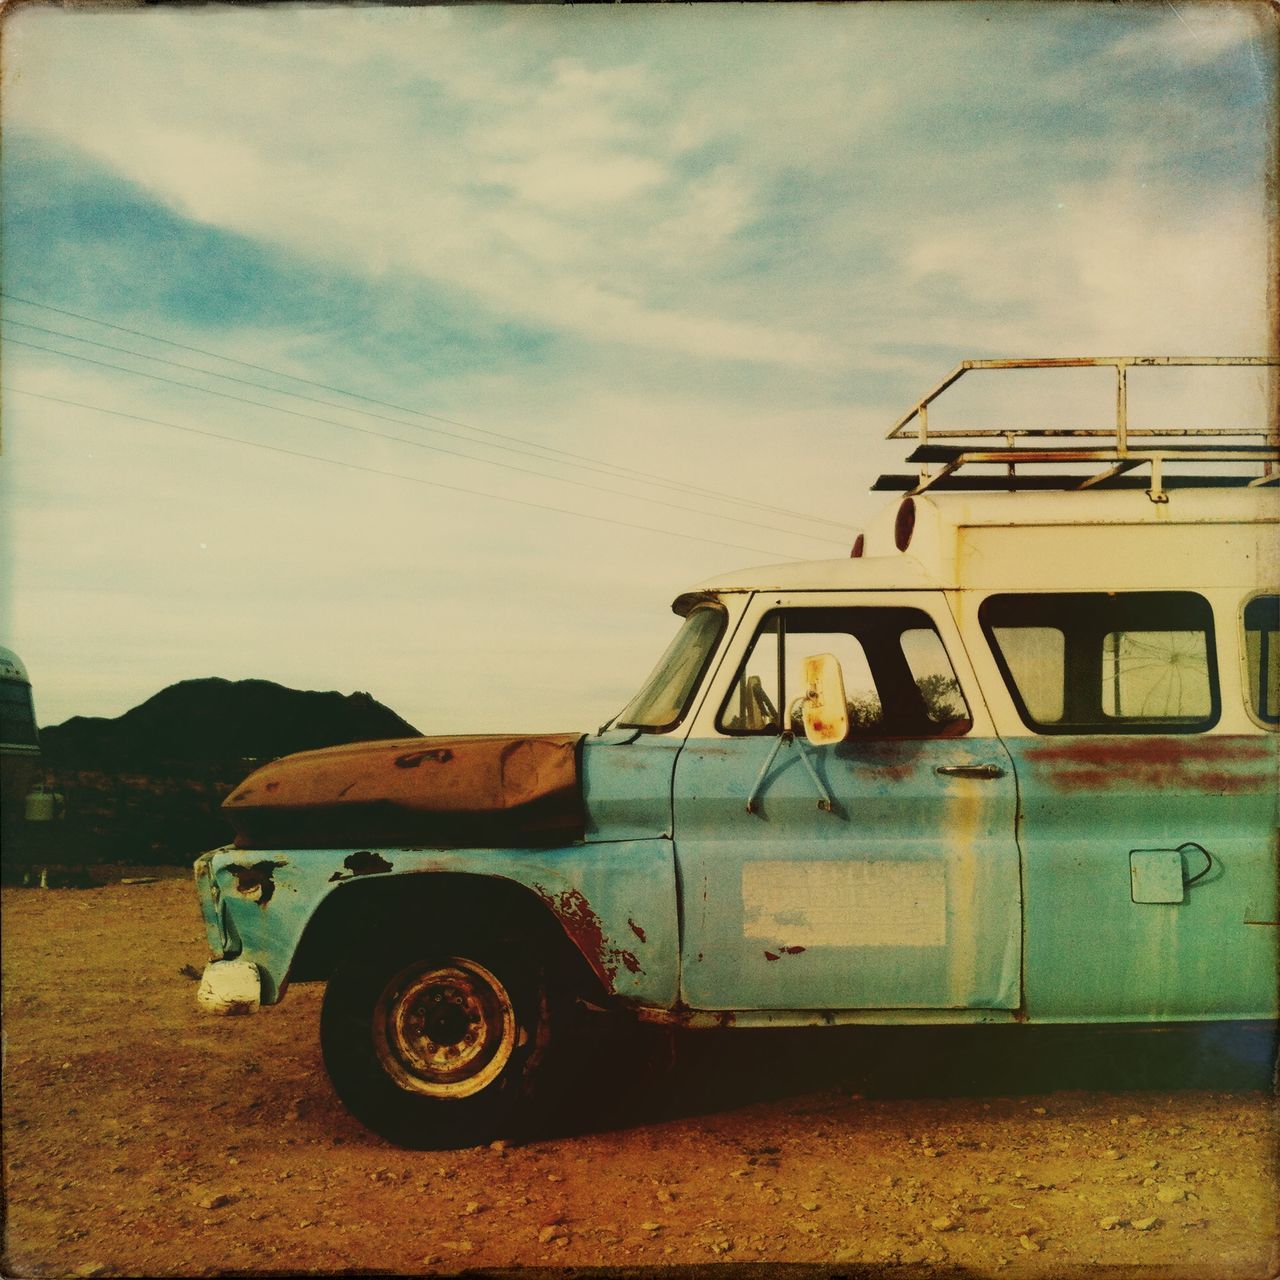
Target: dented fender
x,y
615,902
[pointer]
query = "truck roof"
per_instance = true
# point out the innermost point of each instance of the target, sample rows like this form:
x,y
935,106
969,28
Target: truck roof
x,y
1105,538
866,573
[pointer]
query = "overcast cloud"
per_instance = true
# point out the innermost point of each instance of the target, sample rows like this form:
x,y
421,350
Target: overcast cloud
x,y
723,245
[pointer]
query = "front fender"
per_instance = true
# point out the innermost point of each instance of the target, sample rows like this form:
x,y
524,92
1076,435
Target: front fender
x,y
615,902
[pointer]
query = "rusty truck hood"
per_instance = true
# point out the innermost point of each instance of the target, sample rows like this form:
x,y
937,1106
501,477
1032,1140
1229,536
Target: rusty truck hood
x,y
490,789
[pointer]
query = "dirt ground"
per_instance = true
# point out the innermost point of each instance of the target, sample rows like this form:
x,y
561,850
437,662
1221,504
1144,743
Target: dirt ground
x,y
142,1137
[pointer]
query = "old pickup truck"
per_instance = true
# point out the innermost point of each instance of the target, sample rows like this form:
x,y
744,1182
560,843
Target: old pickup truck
x,y
1013,760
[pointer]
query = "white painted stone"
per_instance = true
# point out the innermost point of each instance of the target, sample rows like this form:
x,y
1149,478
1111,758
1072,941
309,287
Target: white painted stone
x,y
230,987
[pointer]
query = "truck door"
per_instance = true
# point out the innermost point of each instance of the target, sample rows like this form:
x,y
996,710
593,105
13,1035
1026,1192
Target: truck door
x,y
1149,801
903,891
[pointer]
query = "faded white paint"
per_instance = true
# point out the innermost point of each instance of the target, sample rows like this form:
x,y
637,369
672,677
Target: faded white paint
x,y
871,903
1095,540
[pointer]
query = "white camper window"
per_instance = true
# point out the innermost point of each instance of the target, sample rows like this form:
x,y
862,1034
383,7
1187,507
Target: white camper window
x,y
1106,662
1036,657
1262,657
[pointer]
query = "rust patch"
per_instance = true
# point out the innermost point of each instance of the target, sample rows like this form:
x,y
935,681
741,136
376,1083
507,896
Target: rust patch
x,y
583,926
1220,784
1152,750
636,929
364,862
437,755
273,786
896,772
783,951
479,791
1212,766
256,881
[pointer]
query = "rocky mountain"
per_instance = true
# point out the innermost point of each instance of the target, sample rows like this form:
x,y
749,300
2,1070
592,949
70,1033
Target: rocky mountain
x,y
145,788
196,724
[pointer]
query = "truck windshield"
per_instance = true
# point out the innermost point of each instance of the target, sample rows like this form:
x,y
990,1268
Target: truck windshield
x,y
665,695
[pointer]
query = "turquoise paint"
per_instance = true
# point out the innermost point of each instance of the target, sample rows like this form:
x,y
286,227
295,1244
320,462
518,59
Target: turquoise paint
x,y
937,853
616,901
1079,950
626,785
1092,953
614,893
209,898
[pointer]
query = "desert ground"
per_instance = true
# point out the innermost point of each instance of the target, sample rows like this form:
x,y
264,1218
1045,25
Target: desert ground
x,y
142,1137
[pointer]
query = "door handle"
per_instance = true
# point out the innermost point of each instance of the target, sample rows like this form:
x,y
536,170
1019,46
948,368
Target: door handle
x,y
970,771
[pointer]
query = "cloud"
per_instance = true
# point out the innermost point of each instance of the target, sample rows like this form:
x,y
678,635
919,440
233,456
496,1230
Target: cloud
x,y
79,236
727,244
508,201
1121,274
579,172
570,181
1192,35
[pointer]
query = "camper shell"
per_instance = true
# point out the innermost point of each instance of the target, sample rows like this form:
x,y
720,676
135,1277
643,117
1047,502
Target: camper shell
x,y
1014,760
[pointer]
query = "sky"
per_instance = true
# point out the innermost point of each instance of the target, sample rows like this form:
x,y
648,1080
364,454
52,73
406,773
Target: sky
x,y
431,352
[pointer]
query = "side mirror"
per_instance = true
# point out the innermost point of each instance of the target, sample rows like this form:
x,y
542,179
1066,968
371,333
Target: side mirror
x,y
825,712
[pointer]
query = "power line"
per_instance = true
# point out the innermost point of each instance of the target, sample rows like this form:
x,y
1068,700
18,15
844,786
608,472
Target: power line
x,y
581,459
449,435
379,435
378,471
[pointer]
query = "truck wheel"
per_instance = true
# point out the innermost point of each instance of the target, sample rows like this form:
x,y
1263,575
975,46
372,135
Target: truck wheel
x,y
436,1049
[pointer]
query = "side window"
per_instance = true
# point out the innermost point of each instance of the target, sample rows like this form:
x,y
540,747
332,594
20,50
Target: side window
x,y
1262,656
1107,662
752,703
898,680
1036,658
944,704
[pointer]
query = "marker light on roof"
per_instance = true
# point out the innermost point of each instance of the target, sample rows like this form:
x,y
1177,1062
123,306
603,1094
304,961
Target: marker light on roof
x,y
858,543
905,525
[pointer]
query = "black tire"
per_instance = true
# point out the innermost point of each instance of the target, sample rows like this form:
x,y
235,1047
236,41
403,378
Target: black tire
x,y
436,1046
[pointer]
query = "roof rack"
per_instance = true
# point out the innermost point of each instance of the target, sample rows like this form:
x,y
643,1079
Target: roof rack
x,y
1112,452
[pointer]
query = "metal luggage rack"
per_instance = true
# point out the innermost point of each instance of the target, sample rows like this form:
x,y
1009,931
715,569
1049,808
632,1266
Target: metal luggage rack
x,y
1119,451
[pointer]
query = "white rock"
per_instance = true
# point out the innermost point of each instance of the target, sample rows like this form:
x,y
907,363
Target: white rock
x,y
230,987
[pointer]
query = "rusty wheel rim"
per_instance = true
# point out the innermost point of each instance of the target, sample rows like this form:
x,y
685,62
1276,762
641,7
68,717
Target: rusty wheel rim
x,y
445,1029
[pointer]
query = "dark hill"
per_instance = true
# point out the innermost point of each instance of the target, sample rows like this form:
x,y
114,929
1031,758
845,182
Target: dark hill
x,y
215,722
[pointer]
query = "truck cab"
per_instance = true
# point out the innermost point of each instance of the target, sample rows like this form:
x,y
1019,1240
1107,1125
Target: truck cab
x,y
1013,760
